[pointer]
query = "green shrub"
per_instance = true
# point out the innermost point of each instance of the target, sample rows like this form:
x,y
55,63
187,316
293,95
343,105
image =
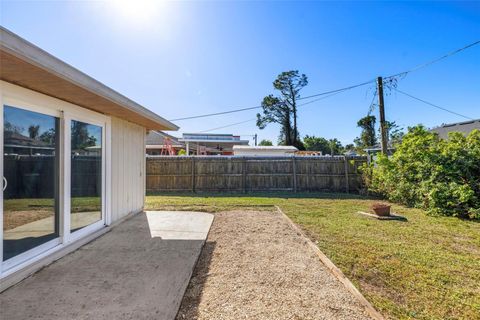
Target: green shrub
x,y
441,176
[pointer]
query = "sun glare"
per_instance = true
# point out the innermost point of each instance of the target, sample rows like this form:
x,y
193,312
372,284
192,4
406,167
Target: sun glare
x,y
136,10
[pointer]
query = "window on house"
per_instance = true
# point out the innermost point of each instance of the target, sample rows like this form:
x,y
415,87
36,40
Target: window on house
x,y
86,174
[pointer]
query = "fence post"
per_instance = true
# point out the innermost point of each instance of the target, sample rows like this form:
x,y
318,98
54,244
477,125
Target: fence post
x,y
193,173
347,186
294,173
244,174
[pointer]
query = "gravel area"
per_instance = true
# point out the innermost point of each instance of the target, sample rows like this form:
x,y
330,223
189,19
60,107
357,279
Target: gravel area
x,y
255,266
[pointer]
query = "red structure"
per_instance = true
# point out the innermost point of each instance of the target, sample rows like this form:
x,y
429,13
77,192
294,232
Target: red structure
x,y
167,149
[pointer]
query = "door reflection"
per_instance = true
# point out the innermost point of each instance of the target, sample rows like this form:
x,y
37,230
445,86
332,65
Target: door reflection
x,y
31,180
86,176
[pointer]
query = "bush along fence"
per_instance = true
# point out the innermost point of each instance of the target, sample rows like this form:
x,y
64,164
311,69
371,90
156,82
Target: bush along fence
x,y
441,176
252,174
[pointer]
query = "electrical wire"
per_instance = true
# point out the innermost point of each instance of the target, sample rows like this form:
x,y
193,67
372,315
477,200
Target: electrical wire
x,y
228,125
241,122
327,93
372,104
433,105
318,99
216,114
423,65
332,92
337,90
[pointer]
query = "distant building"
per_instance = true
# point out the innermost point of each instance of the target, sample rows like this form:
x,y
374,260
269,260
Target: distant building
x,y
463,127
378,149
351,153
211,144
264,151
159,142
92,151
373,152
18,144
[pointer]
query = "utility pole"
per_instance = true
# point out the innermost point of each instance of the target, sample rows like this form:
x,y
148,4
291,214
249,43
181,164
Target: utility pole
x,y
383,125
255,137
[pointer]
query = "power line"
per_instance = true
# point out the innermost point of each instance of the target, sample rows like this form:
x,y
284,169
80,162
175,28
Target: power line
x,y
216,114
337,90
241,122
372,104
327,94
423,65
433,105
228,125
321,98
332,92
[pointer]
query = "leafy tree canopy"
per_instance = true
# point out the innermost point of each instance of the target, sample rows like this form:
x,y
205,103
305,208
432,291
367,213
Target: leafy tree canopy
x,y
33,131
10,127
283,109
331,146
80,137
394,133
265,142
368,137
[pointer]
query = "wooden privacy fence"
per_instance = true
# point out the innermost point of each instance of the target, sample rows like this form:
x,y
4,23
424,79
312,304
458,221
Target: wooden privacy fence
x,y
248,174
36,176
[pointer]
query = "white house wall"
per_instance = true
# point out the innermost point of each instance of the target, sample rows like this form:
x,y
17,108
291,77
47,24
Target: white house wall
x,y
128,168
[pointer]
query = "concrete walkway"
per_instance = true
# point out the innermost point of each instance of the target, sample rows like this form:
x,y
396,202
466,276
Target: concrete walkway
x,y
139,270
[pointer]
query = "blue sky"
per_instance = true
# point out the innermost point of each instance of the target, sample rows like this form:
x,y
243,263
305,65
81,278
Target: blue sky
x,y
22,120
189,58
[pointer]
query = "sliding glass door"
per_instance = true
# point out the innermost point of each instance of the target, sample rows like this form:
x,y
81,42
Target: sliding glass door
x,y
53,179
31,179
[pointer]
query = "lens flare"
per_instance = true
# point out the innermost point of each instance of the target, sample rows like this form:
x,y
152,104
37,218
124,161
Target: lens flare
x,y
136,10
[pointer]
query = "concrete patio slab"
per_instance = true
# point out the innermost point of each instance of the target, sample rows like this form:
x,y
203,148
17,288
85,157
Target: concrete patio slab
x,y
45,226
139,270
176,225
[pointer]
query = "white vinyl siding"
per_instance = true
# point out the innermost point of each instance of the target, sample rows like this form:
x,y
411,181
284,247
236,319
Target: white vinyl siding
x,y
128,168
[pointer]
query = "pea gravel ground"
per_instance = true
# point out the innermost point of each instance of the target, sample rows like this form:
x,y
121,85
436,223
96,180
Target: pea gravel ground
x,y
255,266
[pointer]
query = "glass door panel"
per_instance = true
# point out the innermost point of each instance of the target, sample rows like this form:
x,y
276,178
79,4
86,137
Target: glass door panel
x,y
30,180
86,174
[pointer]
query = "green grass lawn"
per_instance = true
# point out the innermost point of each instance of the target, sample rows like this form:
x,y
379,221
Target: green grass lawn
x,y
426,268
79,204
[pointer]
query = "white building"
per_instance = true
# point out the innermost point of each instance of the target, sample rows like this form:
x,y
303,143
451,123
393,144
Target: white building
x,y
211,143
73,157
264,151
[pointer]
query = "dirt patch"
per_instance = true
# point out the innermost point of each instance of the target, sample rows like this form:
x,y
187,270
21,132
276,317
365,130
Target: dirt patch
x,y
255,266
13,219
